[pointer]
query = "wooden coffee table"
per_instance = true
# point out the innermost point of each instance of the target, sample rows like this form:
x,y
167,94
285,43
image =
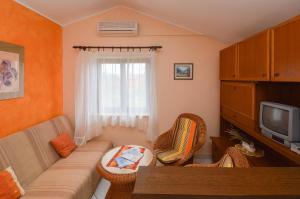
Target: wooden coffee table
x,y
122,180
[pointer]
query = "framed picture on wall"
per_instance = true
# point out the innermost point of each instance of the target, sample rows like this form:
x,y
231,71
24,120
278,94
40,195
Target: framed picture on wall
x,y
183,71
11,71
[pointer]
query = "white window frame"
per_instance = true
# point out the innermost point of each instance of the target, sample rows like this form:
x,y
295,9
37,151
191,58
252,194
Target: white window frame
x,y
124,108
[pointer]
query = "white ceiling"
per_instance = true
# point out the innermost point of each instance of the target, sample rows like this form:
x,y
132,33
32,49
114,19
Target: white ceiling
x,y
226,20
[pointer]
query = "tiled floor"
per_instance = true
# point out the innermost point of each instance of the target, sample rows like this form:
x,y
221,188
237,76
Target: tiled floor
x,y
101,189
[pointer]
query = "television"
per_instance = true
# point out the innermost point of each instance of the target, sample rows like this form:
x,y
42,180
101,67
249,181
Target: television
x,y
280,122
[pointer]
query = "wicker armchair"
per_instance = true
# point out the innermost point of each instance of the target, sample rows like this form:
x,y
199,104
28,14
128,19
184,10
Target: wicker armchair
x,y
239,160
165,141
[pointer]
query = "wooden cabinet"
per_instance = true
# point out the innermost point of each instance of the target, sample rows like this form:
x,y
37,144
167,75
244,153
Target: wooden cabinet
x,y
286,51
228,63
254,58
238,103
272,55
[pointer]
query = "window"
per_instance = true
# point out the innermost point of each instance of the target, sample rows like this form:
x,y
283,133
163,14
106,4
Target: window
x,y
123,87
115,89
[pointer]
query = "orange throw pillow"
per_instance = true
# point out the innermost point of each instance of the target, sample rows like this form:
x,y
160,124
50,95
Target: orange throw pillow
x,y
63,144
8,187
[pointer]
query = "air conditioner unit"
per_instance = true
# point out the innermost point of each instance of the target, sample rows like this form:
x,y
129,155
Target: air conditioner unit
x,y
118,28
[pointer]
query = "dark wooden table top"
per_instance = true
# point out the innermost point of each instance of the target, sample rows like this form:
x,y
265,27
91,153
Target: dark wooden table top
x,y
213,183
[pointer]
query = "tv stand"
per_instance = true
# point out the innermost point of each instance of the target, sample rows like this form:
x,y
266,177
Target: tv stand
x,y
276,139
220,144
275,154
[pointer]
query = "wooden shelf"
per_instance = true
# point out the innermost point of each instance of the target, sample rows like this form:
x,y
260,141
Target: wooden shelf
x,y
220,144
282,150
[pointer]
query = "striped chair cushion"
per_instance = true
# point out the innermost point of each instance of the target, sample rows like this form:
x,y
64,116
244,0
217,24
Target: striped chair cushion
x,y
183,141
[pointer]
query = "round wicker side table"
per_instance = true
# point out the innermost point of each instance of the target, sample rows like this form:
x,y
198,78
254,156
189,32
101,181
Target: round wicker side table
x,y
122,180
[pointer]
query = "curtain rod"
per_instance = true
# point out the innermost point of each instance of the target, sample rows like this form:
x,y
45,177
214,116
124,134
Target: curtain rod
x,y
117,47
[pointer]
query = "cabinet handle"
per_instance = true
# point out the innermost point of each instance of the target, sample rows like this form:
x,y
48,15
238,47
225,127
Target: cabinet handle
x,y
276,74
233,75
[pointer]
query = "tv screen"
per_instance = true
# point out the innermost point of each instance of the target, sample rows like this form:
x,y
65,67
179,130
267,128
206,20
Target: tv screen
x,y
276,119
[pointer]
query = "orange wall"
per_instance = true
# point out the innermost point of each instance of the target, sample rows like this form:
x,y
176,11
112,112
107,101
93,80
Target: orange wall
x,y
199,96
42,40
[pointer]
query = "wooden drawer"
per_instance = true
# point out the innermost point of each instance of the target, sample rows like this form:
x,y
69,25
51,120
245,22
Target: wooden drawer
x,y
243,120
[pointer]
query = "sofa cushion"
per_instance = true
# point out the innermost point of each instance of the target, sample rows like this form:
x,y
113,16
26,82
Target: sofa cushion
x,y
41,135
17,151
62,124
82,160
79,160
8,186
95,144
15,179
60,183
63,144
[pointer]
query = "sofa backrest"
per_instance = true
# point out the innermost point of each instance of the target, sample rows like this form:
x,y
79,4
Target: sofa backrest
x,y
18,152
62,123
29,151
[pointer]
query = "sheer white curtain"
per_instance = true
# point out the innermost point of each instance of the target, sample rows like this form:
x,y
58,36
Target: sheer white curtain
x,y
115,88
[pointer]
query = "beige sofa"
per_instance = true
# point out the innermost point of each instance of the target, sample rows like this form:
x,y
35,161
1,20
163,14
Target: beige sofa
x,y
45,175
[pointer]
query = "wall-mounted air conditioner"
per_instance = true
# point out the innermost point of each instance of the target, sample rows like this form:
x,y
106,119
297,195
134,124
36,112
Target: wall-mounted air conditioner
x,y
118,28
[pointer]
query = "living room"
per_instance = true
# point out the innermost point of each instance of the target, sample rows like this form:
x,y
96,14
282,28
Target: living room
x,y
99,96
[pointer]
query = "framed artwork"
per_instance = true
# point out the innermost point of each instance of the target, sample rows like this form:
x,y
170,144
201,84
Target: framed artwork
x,y
183,71
11,71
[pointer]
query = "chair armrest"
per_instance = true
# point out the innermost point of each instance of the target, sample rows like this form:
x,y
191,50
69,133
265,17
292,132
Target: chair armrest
x,y
154,159
164,141
200,143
